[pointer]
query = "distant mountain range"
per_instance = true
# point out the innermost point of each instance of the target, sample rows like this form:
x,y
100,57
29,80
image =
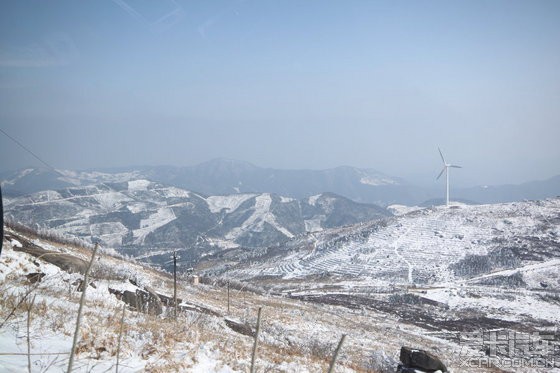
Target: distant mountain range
x,y
143,218
223,176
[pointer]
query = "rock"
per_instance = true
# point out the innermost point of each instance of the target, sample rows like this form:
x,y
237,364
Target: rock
x,y
35,277
168,301
419,359
66,262
149,302
239,327
142,301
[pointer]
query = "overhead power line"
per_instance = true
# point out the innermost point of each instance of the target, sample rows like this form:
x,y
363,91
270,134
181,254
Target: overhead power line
x,y
27,150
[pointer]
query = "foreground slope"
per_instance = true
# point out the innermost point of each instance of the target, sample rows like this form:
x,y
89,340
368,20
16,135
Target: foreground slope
x,y
295,336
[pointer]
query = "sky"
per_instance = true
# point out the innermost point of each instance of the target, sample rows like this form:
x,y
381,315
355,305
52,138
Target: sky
x,y
285,84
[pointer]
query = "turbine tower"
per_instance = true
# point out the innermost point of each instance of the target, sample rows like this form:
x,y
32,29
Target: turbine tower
x,y
446,167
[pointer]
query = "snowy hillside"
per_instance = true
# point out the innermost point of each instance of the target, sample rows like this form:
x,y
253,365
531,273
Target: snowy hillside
x,y
39,302
458,268
139,216
426,246
226,177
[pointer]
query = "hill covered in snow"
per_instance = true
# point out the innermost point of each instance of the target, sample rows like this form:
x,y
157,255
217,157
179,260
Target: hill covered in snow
x,y
443,280
39,301
425,246
147,219
501,260
225,177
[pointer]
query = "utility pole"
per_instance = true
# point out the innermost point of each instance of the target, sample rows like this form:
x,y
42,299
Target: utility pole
x,y
228,297
175,284
254,355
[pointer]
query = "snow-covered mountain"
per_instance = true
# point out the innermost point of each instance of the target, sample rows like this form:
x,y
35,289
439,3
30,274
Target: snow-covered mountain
x,y
139,216
128,321
224,177
463,268
32,180
423,247
432,278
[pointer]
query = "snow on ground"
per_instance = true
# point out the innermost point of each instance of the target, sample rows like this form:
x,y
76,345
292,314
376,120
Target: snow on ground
x,y
229,203
296,336
510,305
222,244
84,178
158,219
110,200
20,175
418,247
261,214
136,185
111,233
376,181
136,207
313,199
313,225
402,209
175,192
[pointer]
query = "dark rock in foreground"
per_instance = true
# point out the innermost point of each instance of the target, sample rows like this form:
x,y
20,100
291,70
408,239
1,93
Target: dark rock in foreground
x,y
413,360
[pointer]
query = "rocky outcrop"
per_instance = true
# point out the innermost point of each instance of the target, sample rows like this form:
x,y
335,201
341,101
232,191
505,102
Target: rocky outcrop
x,y
168,301
414,361
35,277
142,301
240,327
66,262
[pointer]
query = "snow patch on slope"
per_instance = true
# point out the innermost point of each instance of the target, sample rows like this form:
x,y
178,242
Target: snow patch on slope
x,y
402,209
416,248
229,203
20,175
376,181
138,185
158,219
313,225
111,233
78,178
136,207
261,215
110,200
175,193
313,199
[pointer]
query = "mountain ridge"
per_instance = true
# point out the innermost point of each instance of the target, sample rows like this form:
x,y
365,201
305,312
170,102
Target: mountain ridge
x,y
225,176
140,215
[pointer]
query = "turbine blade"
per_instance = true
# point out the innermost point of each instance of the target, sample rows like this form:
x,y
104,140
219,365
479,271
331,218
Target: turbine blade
x,y
455,166
441,173
441,154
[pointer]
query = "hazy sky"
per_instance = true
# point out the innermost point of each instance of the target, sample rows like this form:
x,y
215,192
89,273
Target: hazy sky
x,y
285,84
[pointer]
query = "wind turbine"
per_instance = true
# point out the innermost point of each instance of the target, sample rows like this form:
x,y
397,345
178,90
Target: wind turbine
x,y
446,167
